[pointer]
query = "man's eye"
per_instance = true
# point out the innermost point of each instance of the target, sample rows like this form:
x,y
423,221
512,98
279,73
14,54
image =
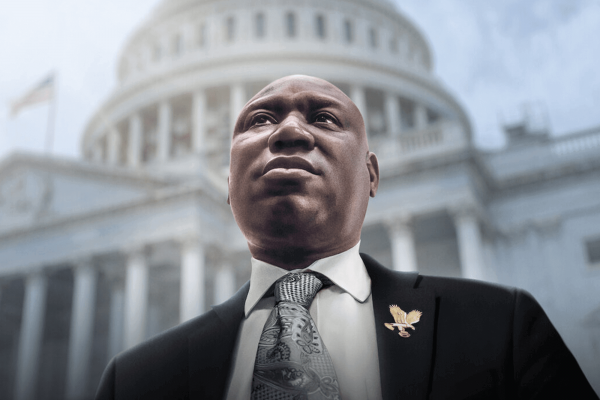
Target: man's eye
x,y
325,118
261,119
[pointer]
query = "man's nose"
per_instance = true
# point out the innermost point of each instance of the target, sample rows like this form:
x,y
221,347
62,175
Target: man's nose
x,y
291,135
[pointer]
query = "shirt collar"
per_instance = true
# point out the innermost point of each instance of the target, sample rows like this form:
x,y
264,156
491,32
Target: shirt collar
x,y
346,270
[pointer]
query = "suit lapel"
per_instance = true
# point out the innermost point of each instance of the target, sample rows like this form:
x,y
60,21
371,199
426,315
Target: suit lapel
x,y
404,363
211,347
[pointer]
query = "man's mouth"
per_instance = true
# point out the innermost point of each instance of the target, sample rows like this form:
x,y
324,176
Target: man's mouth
x,y
289,162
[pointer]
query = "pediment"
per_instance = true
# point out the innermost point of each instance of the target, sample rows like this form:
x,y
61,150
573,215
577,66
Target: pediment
x,y
37,189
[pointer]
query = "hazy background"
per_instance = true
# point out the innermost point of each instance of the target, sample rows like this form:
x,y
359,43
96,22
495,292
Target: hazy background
x,y
494,56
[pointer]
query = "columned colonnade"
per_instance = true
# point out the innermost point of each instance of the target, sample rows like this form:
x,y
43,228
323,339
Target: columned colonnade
x,y
239,93
128,310
468,237
129,293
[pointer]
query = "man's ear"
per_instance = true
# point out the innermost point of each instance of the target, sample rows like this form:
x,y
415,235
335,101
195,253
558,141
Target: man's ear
x,y
228,191
373,167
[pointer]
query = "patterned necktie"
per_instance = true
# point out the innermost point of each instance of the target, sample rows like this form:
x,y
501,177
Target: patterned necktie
x,y
292,361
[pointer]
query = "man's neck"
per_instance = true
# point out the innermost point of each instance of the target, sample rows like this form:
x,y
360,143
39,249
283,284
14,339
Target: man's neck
x,y
290,258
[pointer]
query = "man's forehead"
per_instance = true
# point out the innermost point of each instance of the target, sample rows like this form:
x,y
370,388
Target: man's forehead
x,y
305,86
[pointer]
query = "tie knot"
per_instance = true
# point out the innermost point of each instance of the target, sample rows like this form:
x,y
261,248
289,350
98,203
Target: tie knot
x,y
299,288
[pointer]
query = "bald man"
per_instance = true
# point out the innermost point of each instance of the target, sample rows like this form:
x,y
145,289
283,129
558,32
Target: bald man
x,y
300,179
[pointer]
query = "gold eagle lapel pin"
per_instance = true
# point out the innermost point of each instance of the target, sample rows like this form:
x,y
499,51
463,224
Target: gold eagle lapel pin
x,y
403,320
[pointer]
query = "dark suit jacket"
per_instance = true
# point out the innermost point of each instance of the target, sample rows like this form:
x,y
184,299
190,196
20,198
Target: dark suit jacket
x,y
474,341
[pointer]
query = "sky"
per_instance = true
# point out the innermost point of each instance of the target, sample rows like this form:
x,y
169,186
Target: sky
x,y
495,57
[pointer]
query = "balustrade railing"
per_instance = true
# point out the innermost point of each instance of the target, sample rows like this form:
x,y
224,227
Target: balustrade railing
x,y
411,142
576,143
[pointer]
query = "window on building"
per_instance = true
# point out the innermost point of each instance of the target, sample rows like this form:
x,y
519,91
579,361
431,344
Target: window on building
x,y
123,129
394,44
156,52
201,35
407,113
217,113
149,134
432,116
230,29
259,25
177,45
320,26
592,248
348,31
290,24
103,148
375,118
217,122
181,126
373,37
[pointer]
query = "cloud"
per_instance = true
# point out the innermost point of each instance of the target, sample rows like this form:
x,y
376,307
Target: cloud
x,y
497,55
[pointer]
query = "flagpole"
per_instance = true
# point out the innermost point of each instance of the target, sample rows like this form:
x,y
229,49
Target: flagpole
x,y
51,118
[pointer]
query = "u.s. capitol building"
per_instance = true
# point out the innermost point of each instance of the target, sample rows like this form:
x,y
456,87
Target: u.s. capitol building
x,y
99,253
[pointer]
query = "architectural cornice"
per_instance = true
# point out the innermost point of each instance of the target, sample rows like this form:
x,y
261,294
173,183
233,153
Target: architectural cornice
x,y
200,189
83,168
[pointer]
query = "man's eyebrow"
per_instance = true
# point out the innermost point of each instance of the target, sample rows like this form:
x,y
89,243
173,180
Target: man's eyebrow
x,y
326,101
312,102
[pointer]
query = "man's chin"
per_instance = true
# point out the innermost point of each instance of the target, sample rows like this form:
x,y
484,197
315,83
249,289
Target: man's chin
x,y
288,217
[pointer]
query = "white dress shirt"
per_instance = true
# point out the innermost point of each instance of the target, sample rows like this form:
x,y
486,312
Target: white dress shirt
x,y
344,317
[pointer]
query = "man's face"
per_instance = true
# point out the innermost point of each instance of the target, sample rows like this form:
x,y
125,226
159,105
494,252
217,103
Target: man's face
x,y
301,173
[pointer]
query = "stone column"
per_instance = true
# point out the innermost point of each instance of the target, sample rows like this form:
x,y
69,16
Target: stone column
x,y
357,94
97,152
136,297
470,249
420,116
134,153
191,301
116,319
236,103
224,283
198,118
392,113
82,326
403,245
30,340
164,130
114,140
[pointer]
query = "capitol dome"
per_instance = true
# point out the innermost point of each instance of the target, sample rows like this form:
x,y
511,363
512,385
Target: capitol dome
x,y
185,74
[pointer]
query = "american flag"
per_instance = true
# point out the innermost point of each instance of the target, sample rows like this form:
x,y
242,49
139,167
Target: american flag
x,y
40,93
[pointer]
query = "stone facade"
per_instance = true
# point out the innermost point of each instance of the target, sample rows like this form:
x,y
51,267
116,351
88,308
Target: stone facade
x,y
100,253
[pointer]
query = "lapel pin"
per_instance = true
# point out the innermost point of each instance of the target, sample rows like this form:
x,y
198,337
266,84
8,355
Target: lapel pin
x,y
403,320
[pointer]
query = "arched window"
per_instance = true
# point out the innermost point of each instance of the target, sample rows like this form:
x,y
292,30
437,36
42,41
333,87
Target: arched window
x,y
259,25
201,35
394,44
320,26
373,37
177,45
156,52
348,31
407,113
230,29
290,24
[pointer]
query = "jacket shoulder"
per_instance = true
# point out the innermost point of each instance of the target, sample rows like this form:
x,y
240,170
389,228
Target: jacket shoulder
x,y
469,289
